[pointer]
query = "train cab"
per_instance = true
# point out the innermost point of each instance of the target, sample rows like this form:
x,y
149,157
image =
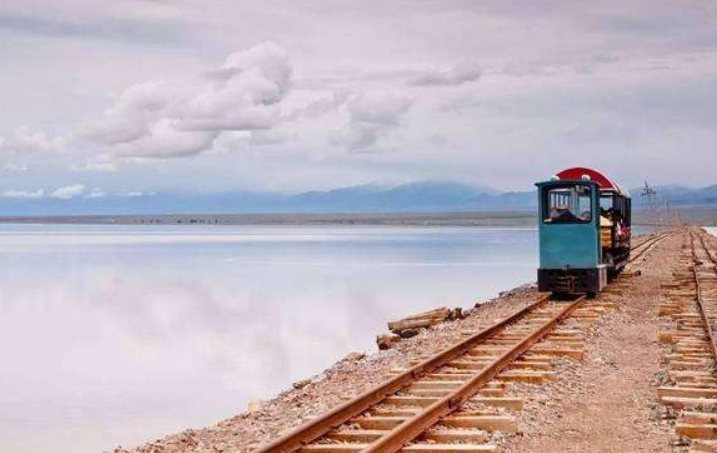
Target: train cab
x,y
584,231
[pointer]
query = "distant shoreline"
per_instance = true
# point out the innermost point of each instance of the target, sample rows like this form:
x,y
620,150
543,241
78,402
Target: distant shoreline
x,y
706,216
513,218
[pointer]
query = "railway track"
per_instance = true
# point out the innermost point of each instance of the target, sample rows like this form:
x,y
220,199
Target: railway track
x,y
645,246
456,400
691,392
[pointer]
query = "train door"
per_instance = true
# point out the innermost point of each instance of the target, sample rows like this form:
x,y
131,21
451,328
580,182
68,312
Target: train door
x,y
570,243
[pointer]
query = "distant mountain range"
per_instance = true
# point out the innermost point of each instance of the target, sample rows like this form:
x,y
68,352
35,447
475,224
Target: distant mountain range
x,y
419,197
682,196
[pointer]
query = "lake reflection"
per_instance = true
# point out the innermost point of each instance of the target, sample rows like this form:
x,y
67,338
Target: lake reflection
x,y
114,335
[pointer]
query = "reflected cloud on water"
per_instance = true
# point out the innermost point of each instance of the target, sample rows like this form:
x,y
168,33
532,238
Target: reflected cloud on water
x,y
109,337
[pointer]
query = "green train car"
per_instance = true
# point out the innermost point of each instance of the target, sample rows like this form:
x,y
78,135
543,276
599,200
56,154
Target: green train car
x,y
584,227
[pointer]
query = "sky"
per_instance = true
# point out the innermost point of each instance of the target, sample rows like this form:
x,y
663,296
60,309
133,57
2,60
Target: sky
x,y
139,96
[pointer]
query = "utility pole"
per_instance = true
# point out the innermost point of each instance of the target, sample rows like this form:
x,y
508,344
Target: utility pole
x,y
650,193
673,216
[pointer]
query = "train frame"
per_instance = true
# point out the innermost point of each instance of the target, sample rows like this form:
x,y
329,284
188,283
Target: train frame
x,y
584,227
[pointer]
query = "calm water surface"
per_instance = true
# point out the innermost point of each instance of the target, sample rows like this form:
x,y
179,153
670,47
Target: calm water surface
x,y
118,335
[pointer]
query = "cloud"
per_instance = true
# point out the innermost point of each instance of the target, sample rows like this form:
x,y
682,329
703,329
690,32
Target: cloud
x,y
102,167
456,75
232,141
165,140
321,106
371,118
15,167
68,192
113,29
173,119
268,137
459,104
132,116
383,110
23,194
23,141
62,193
528,94
96,193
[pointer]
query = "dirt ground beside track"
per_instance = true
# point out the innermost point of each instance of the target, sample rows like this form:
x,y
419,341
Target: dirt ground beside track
x,y
608,402
605,403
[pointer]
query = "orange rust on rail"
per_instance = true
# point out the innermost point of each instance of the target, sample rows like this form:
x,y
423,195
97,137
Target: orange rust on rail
x,y
395,439
647,245
700,302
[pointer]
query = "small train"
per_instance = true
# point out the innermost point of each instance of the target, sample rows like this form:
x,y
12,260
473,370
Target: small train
x,y
584,231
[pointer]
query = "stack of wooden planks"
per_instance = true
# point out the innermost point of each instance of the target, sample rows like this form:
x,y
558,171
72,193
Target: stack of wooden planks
x,y
409,326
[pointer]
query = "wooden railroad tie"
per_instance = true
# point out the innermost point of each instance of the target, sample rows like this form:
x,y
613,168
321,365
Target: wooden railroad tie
x,y
691,305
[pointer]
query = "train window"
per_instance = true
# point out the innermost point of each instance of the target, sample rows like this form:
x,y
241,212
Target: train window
x,y
568,204
606,202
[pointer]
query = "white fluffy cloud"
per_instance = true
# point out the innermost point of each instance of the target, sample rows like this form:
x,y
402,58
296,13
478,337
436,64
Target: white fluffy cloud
x,y
62,193
174,119
23,141
321,106
370,118
101,167
96,193
379,109
637,76
68,192
165,140
12,167
457,75
23,194
137,193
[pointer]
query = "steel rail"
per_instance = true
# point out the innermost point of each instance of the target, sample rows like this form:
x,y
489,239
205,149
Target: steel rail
x,y
707,250
698,289
647,241
394,440
314,429
648,244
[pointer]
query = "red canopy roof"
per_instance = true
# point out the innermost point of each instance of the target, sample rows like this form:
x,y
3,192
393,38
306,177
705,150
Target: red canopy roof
x,y
577,173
